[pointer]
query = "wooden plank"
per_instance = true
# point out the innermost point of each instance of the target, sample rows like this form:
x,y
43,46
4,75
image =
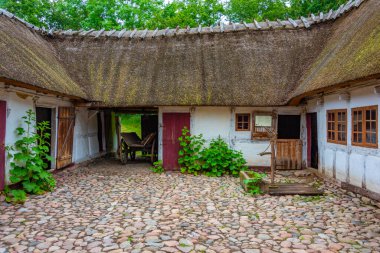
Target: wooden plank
x,y
3,123
293,189
289,154
66,122
143,35
281,23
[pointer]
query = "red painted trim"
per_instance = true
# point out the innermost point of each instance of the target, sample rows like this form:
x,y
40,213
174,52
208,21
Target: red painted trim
x,y
308,127
3,121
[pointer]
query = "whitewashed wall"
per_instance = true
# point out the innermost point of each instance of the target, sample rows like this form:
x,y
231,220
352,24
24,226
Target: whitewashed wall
x,y
358,166
212,122
20,100
86,144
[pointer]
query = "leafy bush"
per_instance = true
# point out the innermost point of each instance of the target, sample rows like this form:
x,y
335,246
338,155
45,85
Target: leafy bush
x,y
157,167
190,158
215,160
220,159
253,183
29,154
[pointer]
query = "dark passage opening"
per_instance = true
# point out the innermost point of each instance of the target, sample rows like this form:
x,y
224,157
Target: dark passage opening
x,y
289,126
44,114
312,140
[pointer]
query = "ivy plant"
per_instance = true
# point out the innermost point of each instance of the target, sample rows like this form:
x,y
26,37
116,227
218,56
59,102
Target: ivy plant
x,y
190,158
29,154
157,167
254,182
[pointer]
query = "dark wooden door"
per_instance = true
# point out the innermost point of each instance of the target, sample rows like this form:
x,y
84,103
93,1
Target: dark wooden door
x,y
44,114
66,122
3,118
173,123
312,140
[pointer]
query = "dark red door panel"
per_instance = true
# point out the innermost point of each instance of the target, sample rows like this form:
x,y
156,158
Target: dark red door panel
x,y
3,118
173,123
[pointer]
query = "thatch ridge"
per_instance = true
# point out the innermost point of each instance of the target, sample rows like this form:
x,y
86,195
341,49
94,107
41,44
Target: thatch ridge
x,y
302,22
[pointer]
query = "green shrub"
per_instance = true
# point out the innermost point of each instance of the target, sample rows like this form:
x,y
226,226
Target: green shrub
x,y
190,158
157,167
219,159
28,165
215,160
253,183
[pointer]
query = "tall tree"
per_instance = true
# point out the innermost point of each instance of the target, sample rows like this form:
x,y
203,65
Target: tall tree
x,y
247,10
32,11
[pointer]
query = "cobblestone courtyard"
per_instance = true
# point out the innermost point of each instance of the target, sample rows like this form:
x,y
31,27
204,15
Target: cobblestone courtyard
x,y
108,207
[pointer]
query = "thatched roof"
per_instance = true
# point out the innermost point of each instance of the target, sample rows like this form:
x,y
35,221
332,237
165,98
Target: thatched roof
x,y
258,64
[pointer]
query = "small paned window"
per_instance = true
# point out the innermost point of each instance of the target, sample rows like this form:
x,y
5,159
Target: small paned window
x,y
337,126
243,122
365,126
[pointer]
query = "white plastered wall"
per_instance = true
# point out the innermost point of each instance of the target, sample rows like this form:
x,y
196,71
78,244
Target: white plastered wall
x,y
359,166
212,122
20,100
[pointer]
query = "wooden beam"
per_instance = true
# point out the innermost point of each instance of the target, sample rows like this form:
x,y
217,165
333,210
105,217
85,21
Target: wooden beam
x,y
143,35
199,28
257,24
121,33
294,23
19,84
133,33
99,33
305,22
329,14
155,32
221,27
281,23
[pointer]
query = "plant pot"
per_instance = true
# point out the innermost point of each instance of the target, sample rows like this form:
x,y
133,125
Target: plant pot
x,y
248,175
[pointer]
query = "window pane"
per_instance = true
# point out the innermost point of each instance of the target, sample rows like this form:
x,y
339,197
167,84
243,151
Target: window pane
x,y
360,138
368,137
373,115
263,120
368,126
355,126
333,135
373,138
359,115
245,126
355,116
360,127
368,114
373,126
355,137
240,125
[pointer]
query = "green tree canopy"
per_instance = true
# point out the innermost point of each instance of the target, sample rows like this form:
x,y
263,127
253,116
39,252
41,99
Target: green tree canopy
x,y
130,14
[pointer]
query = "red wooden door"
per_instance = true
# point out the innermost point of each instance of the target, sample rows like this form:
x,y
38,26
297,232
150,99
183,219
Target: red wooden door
x,y
66,121
172,129
3,117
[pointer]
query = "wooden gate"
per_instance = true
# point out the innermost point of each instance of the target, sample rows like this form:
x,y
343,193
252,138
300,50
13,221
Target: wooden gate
x,y
289,154
3,117
66,122
172,129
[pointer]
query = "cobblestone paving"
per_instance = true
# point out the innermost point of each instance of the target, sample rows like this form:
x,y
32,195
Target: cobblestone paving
x,y
108,207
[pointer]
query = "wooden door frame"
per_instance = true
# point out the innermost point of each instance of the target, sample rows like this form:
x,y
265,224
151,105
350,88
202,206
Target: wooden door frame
x,y
309,138
3,126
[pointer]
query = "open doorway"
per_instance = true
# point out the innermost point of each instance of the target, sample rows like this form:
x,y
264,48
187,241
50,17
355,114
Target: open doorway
x,y
289,127
45,114
138,136
312,140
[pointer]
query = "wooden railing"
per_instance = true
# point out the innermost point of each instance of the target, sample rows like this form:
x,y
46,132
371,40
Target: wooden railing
x,y
289,154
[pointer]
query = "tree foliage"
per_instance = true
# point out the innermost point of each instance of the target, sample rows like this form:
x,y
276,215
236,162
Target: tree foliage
x,y
130,14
